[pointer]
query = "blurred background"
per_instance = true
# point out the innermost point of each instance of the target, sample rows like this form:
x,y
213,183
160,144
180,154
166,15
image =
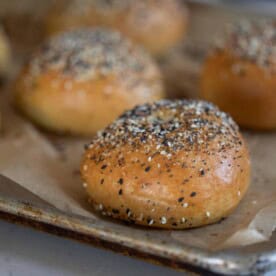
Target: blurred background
x,y
25,26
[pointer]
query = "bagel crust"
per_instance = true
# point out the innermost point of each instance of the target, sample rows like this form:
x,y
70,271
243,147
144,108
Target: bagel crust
x,y
171,164
73,79
156,24
240,75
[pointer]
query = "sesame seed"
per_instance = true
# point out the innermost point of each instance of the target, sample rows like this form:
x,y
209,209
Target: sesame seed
x,y
183,220
163,220
185,205
150,222
208,214
239,193
85,167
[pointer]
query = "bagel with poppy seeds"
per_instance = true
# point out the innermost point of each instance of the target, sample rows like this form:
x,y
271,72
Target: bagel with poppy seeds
x,y
156,24
72,80
239,75
170,164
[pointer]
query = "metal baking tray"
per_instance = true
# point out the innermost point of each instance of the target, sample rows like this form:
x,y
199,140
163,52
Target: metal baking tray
x,y
21,206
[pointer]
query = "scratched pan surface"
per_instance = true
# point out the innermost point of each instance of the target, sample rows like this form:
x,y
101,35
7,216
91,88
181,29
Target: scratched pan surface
x,y
18,205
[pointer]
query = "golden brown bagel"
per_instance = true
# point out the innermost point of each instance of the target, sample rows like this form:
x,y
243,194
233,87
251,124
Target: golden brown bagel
x,y
240,75
171,164
81,81
156,24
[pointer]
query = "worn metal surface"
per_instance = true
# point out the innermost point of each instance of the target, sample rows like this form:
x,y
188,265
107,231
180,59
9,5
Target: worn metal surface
x,y
18,205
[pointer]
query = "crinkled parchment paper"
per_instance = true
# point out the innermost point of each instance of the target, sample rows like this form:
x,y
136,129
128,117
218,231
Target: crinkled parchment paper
x,y
49,166
50,170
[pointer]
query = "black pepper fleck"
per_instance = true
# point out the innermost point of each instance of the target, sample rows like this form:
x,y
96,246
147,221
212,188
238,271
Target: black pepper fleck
x,y
147,169
180,199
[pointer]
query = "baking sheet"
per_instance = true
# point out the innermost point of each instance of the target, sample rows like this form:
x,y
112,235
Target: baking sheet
x,y
48,166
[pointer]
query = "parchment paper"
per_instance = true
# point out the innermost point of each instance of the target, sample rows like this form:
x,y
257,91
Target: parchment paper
x,y
49,167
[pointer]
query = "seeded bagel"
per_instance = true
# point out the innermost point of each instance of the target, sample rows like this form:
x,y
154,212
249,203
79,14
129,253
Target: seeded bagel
x,y
239,75
156,24
171,164
80,81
